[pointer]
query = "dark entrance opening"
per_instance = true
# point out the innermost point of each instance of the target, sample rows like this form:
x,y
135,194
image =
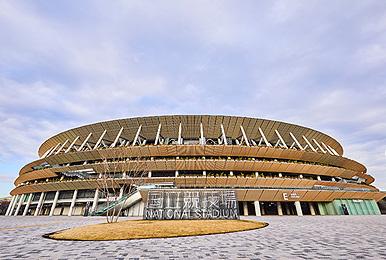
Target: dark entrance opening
x,y
268,208
163,174
31,209
45,210
316,208
305,208
251,208
288,208
21,210
241,209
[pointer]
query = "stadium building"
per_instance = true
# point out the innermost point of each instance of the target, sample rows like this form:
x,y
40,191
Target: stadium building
x,y
275,168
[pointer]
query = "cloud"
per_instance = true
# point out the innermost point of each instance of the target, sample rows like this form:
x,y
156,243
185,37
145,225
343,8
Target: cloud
x,y
6,178
67,64
373,55
283,11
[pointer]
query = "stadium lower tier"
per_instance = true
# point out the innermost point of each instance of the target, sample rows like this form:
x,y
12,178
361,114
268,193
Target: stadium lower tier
x,y
319,199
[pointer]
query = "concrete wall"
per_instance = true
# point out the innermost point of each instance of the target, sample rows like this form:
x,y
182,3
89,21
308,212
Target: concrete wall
x,y
137,209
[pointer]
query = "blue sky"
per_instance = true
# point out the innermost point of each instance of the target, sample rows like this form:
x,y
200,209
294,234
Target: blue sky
x,y
320,64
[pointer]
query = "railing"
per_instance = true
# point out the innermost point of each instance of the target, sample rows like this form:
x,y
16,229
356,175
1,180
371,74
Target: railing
x,y
103,208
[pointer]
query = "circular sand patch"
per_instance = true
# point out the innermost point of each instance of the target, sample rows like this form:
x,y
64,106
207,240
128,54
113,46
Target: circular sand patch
x,y
140,229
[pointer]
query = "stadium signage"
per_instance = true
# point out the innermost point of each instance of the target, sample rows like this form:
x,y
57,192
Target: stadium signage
x,y
191,204
292,195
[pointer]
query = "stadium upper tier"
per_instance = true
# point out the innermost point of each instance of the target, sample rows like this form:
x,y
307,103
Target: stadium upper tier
x,y
193,143
191,129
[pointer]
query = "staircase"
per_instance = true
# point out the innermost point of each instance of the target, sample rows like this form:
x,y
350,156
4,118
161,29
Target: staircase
x,y
123,203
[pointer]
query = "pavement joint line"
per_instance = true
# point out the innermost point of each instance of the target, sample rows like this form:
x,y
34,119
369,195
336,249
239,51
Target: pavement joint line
x,y
308,237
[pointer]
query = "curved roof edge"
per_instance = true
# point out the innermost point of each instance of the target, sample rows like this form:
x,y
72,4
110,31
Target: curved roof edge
x,y
338,147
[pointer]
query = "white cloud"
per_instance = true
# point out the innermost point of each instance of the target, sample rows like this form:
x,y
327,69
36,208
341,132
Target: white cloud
x,y
283,11
374,54
303,62
6,178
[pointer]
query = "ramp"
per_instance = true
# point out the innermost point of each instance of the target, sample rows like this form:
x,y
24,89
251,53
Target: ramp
x,y
123,203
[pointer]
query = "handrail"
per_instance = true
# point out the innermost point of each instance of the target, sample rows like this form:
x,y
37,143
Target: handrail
x,y
110,205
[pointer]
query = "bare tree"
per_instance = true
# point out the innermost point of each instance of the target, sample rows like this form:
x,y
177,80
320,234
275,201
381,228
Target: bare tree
x,y
119,177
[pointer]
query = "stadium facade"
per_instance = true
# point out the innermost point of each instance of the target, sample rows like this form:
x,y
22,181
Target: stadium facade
x,y
275,168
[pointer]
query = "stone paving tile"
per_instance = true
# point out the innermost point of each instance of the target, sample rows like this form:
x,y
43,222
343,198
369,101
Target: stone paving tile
x,y
309,237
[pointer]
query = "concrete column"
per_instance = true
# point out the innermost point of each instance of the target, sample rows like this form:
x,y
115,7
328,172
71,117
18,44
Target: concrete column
x,y
72,203
245,208
27,205
149,174
19,205
203,173
176,174
257,174
10,205
231,173
54,203
280,175
298,208
124,175
95,202
37,211
13,205
257,208
312,209
279,209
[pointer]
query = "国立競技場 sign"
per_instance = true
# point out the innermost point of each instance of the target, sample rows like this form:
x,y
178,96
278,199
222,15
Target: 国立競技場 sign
x,y
191,204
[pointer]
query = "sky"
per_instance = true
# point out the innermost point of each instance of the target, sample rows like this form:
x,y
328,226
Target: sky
x,y
320,64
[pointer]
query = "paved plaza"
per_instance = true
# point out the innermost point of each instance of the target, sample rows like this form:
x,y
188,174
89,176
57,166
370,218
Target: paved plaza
x,y
318,237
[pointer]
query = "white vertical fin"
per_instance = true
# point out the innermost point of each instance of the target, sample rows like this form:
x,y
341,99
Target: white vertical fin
x,y
333,150
296,141
137,135
224,137
84,142
47,152
328,150
244,135
309,144
281,139
320,147
100,139
53,150
72,144
117,138
61,147
158,134
179,134
264,138
202,141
